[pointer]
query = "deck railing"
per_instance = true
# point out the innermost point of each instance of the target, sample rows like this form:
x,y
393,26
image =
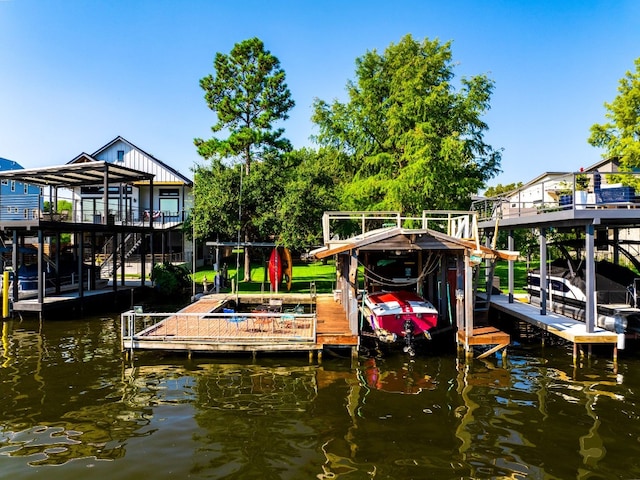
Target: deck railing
x,y
563,191
340,226
229,328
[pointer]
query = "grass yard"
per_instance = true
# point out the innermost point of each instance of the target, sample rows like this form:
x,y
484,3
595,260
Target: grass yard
x,y
324,276
520,275
304,274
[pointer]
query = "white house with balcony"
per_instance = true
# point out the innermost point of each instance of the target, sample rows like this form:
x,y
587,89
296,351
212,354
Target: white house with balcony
x,y
169,202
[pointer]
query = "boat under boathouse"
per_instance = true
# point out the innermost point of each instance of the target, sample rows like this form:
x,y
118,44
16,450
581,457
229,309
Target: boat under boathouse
x,y
437,255
598,213
31,236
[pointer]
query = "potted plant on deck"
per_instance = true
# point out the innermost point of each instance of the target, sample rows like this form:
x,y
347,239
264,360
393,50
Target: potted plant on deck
x,y
581,183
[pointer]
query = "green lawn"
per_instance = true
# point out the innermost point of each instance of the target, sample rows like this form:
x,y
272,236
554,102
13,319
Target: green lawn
x,y
520,275
324,276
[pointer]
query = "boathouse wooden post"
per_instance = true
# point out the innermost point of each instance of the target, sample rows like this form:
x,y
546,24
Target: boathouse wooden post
x,y
143,260
460,323
543,271
353,291
114,265
468,300
14,260
511,245
92,286
444,294
151,249
105,194
590,307
80,264
57,260
41,280
122,258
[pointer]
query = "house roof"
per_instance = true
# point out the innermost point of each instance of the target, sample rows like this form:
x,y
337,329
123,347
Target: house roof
x,y
396,238
160,162
75,175
6,164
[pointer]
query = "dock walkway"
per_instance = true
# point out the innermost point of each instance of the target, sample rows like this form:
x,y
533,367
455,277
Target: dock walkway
x,y
66,302
574,331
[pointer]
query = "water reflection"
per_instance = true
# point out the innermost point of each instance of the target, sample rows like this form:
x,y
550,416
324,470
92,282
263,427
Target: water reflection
x,y
404,380
57,404
68,399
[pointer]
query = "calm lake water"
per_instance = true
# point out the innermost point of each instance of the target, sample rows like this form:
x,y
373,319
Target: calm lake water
x,y
72,407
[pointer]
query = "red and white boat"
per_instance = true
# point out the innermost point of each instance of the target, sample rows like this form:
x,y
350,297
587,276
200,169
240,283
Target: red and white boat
x,y
400,315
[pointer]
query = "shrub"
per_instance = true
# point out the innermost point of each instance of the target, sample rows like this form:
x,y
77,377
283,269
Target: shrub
x,y
171,280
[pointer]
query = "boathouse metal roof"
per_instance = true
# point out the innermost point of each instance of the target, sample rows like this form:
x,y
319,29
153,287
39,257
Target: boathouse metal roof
x,y
397,239
75,175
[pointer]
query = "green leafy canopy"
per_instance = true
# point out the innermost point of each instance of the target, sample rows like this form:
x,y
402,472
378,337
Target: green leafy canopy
x,y
410,141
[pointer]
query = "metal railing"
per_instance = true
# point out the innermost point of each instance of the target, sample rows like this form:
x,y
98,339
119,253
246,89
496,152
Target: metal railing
x,y
562,191
337,226
230,328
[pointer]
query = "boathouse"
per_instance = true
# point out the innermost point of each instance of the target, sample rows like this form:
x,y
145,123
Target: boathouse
x,y
76,267
438,255
598,208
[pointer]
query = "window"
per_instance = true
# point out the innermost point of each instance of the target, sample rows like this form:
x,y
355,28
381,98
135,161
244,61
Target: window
x,y
26,214
13,185
26,188
169,192
169,206
5,182
120,155
113,190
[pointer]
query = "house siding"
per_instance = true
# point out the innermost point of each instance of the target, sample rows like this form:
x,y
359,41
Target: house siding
x,y
15,203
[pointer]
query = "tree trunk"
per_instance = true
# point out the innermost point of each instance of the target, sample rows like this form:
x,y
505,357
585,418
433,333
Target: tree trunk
x,y
247,261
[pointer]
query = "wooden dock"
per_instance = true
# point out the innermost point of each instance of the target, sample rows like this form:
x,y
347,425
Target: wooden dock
x,y
67,302
574,331
332,324
203,326
485,336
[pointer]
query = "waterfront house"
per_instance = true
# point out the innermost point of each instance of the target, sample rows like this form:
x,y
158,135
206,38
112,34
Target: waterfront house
x,y
168,199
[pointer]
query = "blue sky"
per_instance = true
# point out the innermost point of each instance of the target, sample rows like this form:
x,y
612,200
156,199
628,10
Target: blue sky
x,y
76,74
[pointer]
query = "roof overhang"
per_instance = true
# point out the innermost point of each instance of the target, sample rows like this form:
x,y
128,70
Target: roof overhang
x,y
77,174
400,239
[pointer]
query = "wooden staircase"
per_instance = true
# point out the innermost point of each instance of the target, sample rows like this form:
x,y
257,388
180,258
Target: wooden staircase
x,y
111,253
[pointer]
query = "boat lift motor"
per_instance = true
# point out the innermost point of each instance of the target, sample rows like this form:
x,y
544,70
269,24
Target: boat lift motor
x,y
408,328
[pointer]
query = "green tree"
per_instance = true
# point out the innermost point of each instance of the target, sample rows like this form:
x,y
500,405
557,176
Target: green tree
x,y
620,136
410,140
216,196
501,189
248,94
311,189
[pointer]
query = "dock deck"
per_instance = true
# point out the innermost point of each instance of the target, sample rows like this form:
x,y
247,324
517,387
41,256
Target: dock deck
x,y
574,331
70,300
203,326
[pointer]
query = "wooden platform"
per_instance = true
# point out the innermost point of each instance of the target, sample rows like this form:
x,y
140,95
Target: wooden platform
x,y
485,336
574,331
196,328
69,301
332,324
